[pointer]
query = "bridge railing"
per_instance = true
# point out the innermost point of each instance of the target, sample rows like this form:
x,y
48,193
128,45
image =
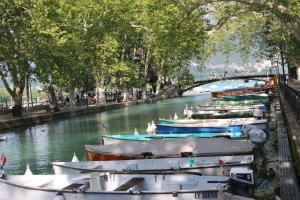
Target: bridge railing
x,y
292,96
209,76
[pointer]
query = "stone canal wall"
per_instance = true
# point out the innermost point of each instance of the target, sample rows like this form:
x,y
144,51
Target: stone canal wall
x,y
37,118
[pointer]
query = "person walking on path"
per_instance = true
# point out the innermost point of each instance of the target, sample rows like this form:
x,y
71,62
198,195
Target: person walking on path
x,y
214,75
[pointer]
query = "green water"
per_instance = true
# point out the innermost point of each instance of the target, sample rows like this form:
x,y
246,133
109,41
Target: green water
x,y
57,141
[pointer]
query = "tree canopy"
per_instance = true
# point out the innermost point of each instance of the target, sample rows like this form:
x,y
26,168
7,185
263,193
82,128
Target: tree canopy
x,y
81,45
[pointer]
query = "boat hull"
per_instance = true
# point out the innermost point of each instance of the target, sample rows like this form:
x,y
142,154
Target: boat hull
x,y
13,191
177,148
208,166
113,139
189,128
238,91
167,129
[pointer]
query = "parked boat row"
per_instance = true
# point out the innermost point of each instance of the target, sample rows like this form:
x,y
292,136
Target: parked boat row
x,y
186,159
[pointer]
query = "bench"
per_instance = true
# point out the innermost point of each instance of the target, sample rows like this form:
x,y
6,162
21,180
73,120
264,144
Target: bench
x,y
129,184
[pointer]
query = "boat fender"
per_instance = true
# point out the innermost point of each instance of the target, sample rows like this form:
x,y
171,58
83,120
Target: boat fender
x,y
153,126
59,196
149,129
184,112
175,116
75,159
135,132
28,172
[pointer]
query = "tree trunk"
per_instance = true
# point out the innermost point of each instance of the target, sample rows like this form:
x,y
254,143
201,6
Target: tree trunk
x,y
72,94
17,91
160,77
17,108
146,69
53,98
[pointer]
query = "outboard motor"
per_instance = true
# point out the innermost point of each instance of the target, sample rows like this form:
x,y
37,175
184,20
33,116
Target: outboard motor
x,y
241,180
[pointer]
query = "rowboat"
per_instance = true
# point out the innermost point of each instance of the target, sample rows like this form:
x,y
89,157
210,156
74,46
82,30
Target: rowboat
x,y
126,150
114,186
3,138
112,139
214,122
227,114
208,128
207,166
229,107
237,91
241,99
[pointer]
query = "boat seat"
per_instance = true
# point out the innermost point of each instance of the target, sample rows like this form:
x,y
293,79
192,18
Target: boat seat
x,y
129,184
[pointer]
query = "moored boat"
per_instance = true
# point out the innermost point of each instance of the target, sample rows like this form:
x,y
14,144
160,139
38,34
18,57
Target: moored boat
x,y
113,139
241,99
112,186
237,91
228,114
126,150
228,107
3,138
214,122
214,165
200,128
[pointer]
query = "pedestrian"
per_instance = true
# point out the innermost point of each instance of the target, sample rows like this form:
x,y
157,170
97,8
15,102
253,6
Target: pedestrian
x,y
214,75
225,74
286,79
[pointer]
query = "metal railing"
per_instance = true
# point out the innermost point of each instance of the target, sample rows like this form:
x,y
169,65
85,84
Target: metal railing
x,y
292,96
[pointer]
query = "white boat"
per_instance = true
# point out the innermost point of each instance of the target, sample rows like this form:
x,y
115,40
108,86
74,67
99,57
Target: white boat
x,y
3,138
113,186
128,150
215,165
215,122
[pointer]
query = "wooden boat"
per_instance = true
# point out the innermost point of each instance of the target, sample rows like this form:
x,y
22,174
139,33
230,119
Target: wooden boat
x,y
209,128
207,166
113,186
238,91
126,150
113,139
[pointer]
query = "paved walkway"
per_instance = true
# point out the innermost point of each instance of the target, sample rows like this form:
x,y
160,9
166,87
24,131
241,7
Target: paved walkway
x,y
295,84
288,183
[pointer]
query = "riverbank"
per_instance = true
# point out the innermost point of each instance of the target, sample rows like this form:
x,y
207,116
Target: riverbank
x,y
31,118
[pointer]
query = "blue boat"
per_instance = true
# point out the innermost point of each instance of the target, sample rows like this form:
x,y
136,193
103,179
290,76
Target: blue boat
x,y
189,128
192,128
111,139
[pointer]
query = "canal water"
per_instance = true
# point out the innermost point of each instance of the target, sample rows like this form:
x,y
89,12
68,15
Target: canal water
x,y
39,145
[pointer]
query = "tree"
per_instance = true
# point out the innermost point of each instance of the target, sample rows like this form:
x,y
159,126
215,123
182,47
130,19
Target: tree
x,y
16,39
282,16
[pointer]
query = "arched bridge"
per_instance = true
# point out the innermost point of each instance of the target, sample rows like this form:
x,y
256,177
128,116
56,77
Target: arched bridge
x,y
203,82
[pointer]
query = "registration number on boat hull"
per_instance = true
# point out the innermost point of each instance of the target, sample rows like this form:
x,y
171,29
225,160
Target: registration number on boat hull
x,y
206,195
